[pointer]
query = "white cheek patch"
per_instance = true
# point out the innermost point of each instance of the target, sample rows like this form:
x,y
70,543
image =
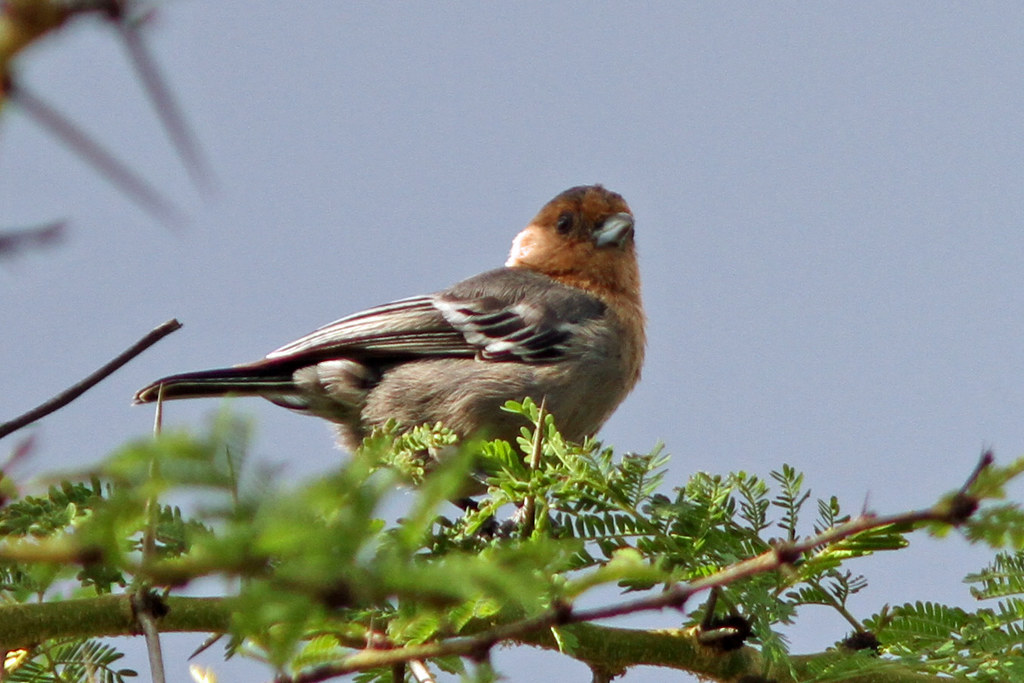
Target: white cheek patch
x,y
522,245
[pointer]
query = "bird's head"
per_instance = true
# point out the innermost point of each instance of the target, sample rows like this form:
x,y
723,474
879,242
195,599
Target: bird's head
x,y
584,238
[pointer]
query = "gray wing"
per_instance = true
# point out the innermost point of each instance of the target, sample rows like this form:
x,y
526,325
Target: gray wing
x,y
412,326
511,314
502,315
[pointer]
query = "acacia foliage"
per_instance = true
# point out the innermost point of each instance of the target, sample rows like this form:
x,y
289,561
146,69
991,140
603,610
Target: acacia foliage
x,y
324,573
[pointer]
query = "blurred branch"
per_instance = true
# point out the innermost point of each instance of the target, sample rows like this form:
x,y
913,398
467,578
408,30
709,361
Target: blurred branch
x,y
21,23
13,241
73,392
22,625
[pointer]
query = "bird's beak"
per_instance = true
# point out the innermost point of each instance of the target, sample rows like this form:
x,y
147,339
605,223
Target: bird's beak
x,y
615,231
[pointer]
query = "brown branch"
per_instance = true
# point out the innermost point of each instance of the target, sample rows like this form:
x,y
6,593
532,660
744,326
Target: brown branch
x,y
23,22
614,650
73,392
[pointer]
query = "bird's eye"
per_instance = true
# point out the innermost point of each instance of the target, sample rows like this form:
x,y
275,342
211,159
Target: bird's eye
x,y
564,224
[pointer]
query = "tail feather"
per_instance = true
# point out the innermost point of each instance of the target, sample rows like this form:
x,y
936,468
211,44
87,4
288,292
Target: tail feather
x,y
268,382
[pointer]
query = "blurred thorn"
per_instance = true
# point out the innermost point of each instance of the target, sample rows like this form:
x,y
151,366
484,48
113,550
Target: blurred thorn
x,y
163,101
144,194
20,452
8,487
13,241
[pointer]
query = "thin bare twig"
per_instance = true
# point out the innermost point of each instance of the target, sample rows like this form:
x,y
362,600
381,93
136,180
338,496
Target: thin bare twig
x,y
206,644
70,394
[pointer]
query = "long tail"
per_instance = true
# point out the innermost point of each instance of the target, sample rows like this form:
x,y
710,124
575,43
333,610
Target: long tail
x,y
245,380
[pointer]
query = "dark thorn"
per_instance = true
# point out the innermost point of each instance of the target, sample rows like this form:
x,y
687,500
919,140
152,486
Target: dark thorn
x,y
91,554
164,103
682,595
336,596
489,528
481,654
986,460
144,194
563,612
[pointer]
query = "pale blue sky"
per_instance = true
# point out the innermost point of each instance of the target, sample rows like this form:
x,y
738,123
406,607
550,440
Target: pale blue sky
x,y
828,202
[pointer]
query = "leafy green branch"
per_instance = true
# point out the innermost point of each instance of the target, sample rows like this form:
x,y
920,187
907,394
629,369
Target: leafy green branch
x,y
330,588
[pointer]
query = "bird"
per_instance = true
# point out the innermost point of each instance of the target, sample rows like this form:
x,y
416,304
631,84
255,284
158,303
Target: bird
x,y
562,323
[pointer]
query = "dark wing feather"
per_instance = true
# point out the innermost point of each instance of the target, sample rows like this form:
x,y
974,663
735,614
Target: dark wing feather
x,y
517,315
502,315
